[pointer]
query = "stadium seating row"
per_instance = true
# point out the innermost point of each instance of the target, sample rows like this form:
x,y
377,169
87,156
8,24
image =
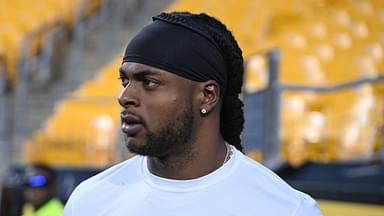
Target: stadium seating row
x,y
83,131
322,43
24,27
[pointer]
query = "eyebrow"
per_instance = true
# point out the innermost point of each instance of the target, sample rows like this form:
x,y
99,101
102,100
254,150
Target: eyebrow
x,y
140,74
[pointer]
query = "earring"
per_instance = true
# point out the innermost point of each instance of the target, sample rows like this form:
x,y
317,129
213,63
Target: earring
x,y
203,111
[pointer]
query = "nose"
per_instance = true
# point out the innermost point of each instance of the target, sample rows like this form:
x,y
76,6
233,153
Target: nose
x,y
128,97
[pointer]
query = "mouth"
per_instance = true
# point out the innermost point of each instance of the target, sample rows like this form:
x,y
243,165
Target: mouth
x,y
130,124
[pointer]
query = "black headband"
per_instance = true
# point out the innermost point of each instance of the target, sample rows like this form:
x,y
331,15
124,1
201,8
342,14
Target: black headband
x,y
178,49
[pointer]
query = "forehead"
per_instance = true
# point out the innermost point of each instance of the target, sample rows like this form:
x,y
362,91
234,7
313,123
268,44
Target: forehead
x,y
133,68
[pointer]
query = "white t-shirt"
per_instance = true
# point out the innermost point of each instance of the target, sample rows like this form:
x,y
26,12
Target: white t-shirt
x,y
240,187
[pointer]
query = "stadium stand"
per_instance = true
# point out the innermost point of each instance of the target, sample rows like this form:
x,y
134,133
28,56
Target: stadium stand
x,y
83,128
25,28
323,44
328,106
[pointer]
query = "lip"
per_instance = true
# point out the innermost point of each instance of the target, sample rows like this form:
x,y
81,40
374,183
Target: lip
x,y
130,123
131,129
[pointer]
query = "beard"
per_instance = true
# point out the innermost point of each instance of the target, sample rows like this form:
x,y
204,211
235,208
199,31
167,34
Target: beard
x,y
174,138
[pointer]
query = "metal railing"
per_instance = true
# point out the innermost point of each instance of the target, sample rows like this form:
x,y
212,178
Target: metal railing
x,y
262,111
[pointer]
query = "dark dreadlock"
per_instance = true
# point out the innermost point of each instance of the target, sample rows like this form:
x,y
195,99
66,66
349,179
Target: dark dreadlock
x,y
232,118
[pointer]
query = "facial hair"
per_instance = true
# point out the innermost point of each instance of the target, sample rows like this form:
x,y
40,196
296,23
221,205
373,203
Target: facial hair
x,y
174,138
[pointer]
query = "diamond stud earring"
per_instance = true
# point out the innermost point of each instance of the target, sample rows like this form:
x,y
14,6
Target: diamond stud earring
x,y
203,111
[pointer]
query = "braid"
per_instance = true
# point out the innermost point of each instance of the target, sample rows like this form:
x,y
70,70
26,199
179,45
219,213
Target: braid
x,y
231,117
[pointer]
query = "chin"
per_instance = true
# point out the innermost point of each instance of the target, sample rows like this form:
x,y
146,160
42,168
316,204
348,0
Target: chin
x,y
144,149
136,146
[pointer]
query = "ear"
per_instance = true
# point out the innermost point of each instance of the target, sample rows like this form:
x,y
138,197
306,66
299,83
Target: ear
x,y
210,96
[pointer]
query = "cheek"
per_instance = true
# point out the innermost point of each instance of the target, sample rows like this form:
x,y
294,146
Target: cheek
x,y
161,109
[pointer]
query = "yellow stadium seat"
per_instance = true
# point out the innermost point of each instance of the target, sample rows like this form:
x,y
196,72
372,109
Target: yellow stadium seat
x,y
35,20
256,73
85,123
322,43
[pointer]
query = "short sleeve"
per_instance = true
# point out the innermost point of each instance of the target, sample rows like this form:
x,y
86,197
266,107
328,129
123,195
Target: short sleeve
x,y
307,207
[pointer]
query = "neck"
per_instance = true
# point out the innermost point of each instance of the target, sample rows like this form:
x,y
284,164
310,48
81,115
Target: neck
x,y
204,156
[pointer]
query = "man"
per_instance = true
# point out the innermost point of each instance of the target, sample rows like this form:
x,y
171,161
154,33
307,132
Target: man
x,y
40,192
182,76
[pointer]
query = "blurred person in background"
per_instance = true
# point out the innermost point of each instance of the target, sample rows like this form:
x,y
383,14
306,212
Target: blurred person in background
x,y
40,192
182,115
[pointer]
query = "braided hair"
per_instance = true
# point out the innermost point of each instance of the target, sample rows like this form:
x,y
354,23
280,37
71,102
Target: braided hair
x,y
231,117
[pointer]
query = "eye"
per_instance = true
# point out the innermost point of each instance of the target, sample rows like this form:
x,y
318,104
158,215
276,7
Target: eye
x,y
150,84
124,81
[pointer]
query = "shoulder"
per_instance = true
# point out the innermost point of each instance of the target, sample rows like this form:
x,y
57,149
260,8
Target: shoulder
x,y
258,173
54,207
275,192
114,175
306,206
109,183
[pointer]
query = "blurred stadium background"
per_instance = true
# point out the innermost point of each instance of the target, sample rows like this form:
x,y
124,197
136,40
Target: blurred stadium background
x,y
314,90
